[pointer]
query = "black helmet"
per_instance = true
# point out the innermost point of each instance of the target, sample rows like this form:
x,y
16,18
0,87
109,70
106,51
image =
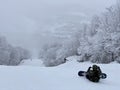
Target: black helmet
x,y
94,67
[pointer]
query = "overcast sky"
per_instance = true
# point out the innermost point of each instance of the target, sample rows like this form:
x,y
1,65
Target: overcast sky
x,y
20,20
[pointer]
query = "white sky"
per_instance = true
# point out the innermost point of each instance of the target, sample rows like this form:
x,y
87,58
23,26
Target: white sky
x,y
20,20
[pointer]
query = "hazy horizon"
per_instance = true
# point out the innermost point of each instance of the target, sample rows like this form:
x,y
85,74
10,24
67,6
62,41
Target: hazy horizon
x,y
24,21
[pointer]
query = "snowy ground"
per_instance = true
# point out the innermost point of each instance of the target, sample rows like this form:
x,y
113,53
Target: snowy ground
x,y
62,77
32,62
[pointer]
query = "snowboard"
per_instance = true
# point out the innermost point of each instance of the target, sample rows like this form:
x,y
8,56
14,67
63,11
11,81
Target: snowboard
x,y
83,73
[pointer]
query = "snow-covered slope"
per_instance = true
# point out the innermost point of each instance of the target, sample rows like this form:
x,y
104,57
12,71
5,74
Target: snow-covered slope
x,y
32,62
62,77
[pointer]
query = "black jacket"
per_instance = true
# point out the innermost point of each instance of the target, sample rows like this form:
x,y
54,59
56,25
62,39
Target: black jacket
x,y
93,74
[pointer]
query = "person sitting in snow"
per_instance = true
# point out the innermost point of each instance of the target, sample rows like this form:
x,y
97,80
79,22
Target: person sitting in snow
x,y
93,73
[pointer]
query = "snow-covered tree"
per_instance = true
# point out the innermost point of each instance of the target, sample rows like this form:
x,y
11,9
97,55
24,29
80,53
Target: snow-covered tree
x,y
4,51
103,43
48,53
54,53
95,24
17,55
69,48
10,55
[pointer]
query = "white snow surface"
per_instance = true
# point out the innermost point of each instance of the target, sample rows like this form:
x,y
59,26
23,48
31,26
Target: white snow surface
x,y
32,62
62,77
